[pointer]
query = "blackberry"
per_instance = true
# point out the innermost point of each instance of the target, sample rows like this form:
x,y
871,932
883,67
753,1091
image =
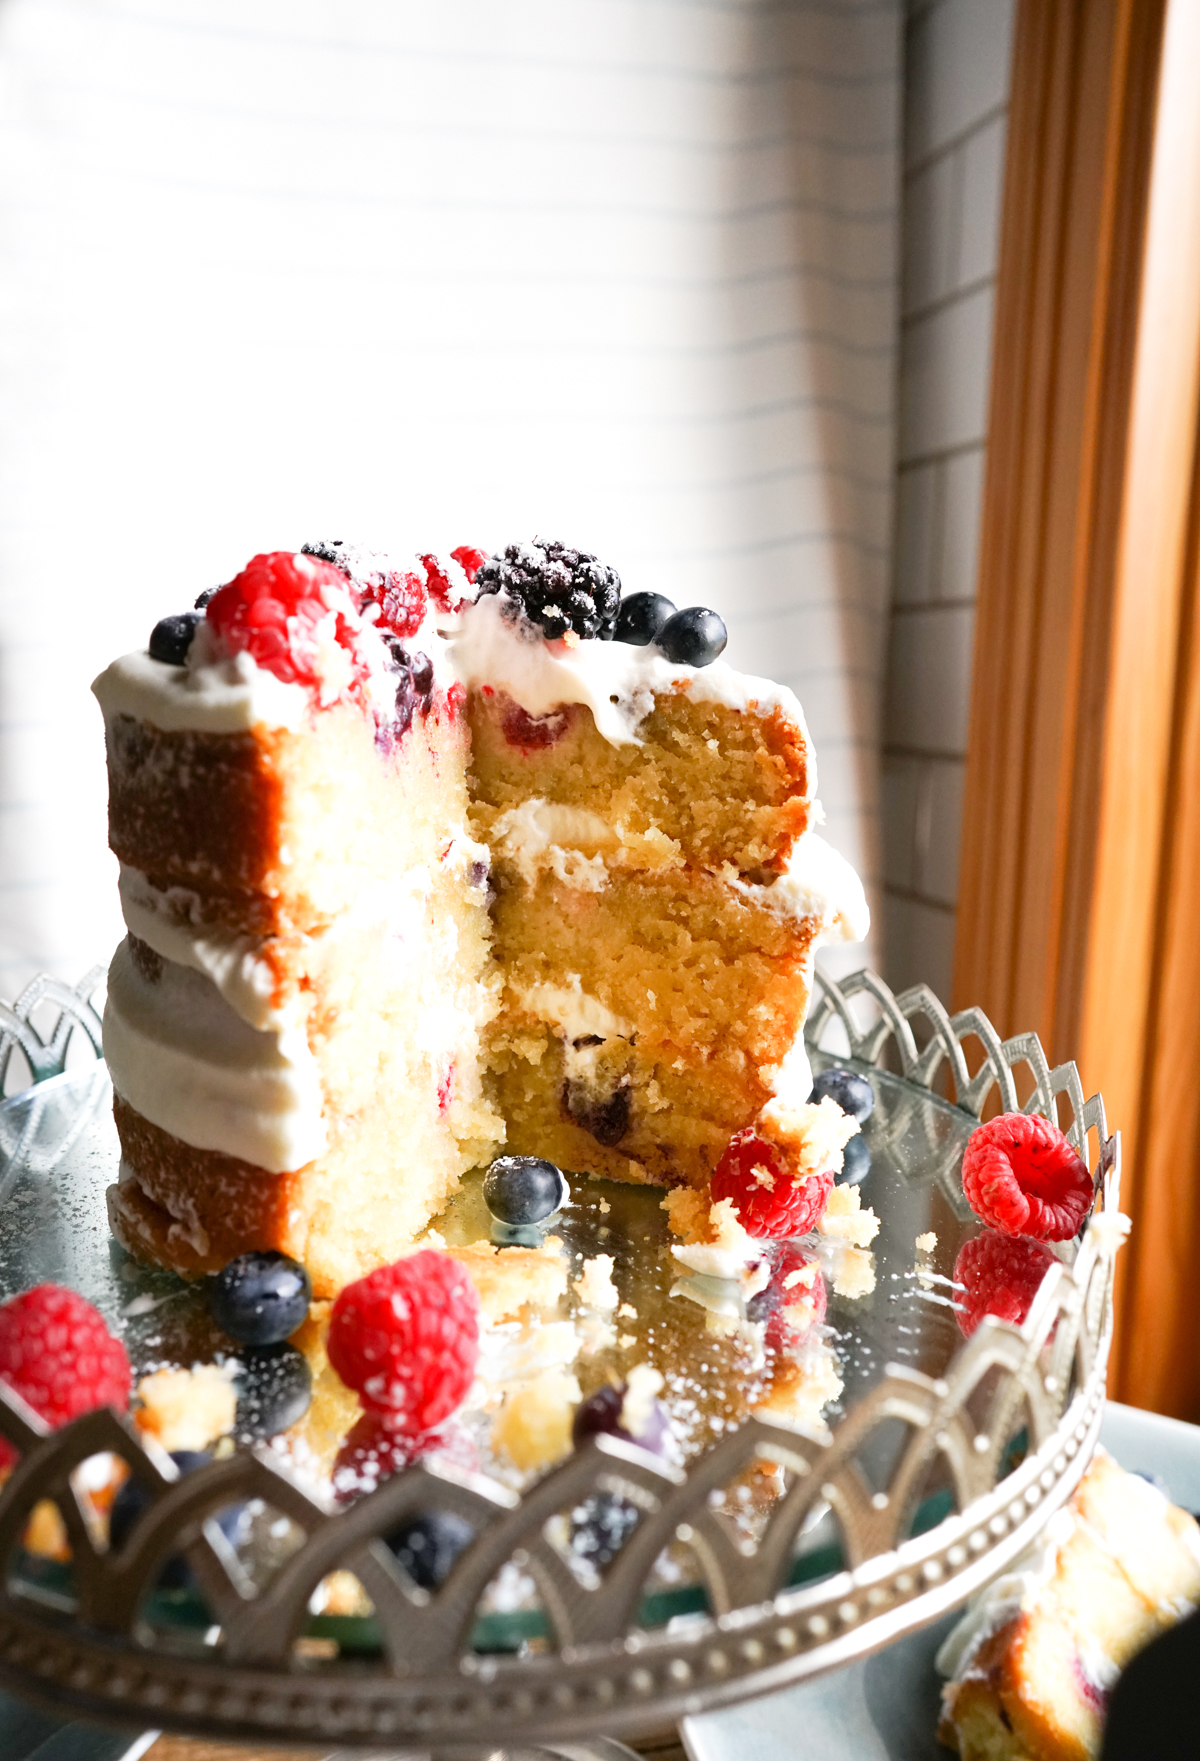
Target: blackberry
x,y
274,1391
171,637
852,1092
693,637
641,617
524,1189
260,1298
557,588
428,1545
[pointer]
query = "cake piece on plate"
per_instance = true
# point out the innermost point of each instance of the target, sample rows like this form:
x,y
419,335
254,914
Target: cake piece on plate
x,y
1032,1662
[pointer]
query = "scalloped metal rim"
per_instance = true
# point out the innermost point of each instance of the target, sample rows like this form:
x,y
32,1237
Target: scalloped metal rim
x,y
428,1691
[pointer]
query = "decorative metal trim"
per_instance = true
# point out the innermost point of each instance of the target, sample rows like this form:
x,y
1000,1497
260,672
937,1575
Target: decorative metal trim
x,y
48,1057
604,1674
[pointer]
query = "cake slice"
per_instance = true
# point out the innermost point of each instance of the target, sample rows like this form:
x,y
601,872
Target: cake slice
x,y
293,1024
1032,1663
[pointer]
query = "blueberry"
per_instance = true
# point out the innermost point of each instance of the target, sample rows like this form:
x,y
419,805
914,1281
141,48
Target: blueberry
x,y
133,1498
601,1413
260,1298
852,1092
856,1162
556,587
641,617
693,637
524,1189
428,1545
202,599
171,637
274,1389
600,1527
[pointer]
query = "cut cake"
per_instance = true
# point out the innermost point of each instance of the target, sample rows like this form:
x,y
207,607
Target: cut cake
x,y
407,876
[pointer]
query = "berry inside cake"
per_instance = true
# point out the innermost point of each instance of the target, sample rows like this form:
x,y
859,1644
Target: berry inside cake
x,y
421,863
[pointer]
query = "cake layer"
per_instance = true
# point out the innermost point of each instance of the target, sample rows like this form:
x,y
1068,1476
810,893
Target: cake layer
x,y
648,1017
706,786
280,829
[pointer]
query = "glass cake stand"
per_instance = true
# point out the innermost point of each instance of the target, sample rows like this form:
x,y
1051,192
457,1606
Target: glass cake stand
x,y
768,1552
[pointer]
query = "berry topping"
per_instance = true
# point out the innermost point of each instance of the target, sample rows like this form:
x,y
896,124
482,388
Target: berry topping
x,y
373,1450
1022,1176
428,1545
693,637
768,1199
557,588
629,1411
260,1298
600,1527
795,1299
58,1355
856,1162
294,615
469,560
524,1189
407,1337
133,1498
447,592
641,617
852,1092
171,637
1000,1275
202,599
399,594
414,682
274,1391
534,733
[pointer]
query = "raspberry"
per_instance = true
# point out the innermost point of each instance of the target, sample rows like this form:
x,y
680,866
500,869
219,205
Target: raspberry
x,y
469,560
373,1450
289,611
407,1337
557,588
1022,1176
400,595
59,1356
766,1197
793,1302
1000,1275
446,593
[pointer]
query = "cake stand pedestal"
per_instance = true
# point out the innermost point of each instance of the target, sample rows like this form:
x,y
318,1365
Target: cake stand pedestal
x,y
1003,1423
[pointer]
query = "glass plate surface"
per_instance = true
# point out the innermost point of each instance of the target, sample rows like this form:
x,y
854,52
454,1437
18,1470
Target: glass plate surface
x,y
59,1152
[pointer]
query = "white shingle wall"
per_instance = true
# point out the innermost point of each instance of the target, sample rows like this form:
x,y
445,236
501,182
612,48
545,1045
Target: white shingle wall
x,y
957,82
623,271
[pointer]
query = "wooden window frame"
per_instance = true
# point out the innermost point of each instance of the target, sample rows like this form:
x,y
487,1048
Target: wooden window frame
x,y
1080,882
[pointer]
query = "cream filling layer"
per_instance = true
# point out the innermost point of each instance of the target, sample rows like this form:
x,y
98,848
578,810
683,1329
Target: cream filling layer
x,y
182,1057
617,681
171,924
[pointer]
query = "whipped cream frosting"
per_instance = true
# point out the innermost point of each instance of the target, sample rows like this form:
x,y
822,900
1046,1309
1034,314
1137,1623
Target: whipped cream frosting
x,y
189,1063
616,680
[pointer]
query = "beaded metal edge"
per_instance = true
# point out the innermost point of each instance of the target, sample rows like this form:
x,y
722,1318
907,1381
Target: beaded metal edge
x,y
603,1675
